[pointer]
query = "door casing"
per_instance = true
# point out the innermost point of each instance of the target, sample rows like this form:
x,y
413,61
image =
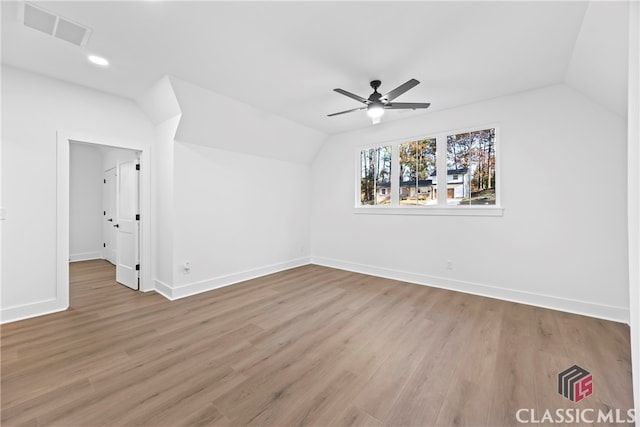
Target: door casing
x,y
64,138
109,206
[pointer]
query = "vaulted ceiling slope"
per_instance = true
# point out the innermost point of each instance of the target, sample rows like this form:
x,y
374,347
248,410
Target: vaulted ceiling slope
x,y
599,62
284,58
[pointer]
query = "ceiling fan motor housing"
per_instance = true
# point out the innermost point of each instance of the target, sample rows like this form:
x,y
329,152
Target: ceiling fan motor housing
x,y
375,96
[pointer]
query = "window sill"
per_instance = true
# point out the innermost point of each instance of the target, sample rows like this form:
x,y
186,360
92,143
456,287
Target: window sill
x,y
431,210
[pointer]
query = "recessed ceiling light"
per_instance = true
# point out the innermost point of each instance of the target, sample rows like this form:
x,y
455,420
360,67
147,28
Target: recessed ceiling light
x,y
98,60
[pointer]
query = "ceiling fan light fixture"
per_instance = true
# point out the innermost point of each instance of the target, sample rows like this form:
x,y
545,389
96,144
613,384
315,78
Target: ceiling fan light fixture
x,y
375,110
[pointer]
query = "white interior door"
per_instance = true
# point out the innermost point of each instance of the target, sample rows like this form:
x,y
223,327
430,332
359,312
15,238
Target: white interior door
x,y
127,229
109,210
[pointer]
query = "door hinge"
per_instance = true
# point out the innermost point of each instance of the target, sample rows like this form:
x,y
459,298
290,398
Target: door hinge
x,y
137,167
104,212
137,267
104,245
104,181
137,217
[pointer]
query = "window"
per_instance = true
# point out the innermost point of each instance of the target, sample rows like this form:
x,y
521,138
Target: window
x,y
417,160
404,177
471,156
375,176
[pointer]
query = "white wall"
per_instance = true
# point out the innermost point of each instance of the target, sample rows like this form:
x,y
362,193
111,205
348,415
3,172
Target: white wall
x,y
562,240
161,106
164,205
236,216
85,202
233,195
34,108
634,195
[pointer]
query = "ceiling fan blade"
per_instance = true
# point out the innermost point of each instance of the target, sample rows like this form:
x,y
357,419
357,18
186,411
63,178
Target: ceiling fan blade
x,y
406,105
390,96
353,96
348,111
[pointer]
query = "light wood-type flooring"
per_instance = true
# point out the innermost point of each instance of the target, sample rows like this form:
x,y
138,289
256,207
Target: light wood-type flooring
x,y
310,346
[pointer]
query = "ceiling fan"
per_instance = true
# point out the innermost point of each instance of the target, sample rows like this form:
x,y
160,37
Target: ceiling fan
x,y
377,103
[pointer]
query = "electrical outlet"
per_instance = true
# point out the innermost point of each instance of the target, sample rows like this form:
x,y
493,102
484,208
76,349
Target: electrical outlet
x,y
449,264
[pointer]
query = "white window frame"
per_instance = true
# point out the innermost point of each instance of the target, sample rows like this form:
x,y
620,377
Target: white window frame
x,y
441,208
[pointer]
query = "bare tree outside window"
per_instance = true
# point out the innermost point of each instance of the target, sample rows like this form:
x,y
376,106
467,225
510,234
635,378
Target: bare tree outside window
x,y
417,161
375,176
471,158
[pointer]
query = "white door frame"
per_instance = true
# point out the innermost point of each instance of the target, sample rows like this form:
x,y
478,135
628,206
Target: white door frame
x,y
64,138
108,201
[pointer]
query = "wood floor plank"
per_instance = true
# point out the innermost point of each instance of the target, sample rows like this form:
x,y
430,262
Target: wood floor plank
x,y
546,332
355,417
309,346
468,399
333,398
31,408
422,396
383,388
207,416
511,377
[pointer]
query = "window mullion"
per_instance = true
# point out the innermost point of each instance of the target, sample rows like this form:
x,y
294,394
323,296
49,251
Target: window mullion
x,y
441,168
395,175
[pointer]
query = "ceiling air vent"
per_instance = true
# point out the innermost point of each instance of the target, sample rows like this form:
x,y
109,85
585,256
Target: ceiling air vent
x,y
40,19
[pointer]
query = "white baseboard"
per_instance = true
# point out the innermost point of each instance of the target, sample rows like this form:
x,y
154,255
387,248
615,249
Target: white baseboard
x,y
616,314
85,256
163,289
174,293
27,311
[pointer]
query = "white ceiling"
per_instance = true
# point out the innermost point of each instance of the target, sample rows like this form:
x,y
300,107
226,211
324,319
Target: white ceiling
x,y
286,57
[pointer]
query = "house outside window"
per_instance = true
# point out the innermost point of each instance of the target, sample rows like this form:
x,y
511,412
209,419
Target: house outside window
x,y
417,161
475,154
405,175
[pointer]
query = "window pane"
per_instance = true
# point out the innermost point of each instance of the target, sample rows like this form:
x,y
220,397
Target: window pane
x,y
471,168
375,176
417,164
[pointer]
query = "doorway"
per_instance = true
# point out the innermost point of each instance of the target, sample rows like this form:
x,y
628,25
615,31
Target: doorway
x,y
63,253
104,208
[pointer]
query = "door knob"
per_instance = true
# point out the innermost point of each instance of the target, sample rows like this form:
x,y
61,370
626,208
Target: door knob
x,y
116,225
110,219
